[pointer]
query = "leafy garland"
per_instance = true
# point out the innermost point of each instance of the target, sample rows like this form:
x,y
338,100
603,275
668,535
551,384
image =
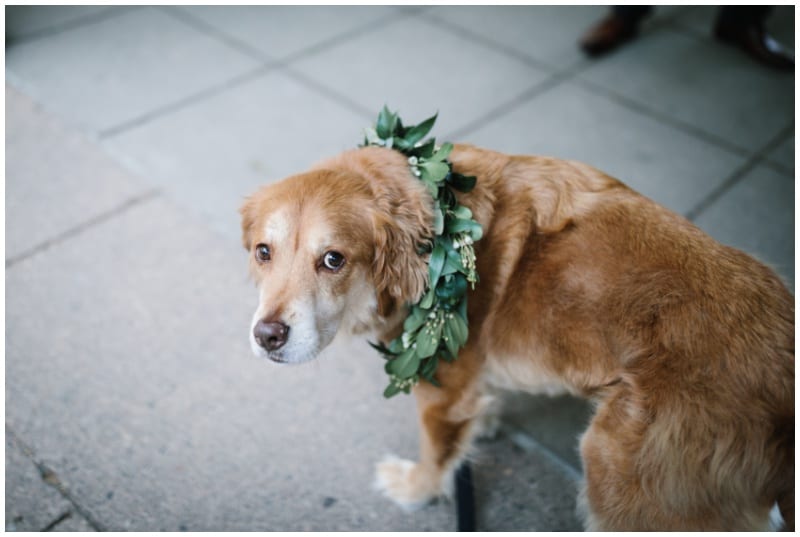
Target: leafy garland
x,y
436,326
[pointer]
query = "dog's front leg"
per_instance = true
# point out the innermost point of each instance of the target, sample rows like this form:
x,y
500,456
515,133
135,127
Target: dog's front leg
x,y
447,416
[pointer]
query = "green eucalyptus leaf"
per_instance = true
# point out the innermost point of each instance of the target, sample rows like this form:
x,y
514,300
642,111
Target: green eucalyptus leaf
x,y
451,341
443,152
462,309
427,343
418,132
458,328
454,286
476,232
452,264
386,123
462,212
434,171
391,390
436,263
402,144
414,320
458,225
425,150
429,369
396,346
427,300
462,183
438,221
432,187
404,365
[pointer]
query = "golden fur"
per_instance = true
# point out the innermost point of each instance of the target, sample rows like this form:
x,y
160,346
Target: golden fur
x,y
686,346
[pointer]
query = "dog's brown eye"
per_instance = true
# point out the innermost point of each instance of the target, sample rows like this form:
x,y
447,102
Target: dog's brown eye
x,y
262,252
333,260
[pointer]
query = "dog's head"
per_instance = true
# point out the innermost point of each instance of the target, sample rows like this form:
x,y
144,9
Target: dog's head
x,y
334,248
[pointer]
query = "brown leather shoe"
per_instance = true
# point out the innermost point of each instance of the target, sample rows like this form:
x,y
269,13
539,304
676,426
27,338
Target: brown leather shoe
x,y
755,41
607,35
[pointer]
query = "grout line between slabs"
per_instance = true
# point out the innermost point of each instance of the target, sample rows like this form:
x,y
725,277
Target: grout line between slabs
x,y
185,101
677,124
50,478
58,520
267,64
215,33
487,42
509,106
738,174
529,444
83,226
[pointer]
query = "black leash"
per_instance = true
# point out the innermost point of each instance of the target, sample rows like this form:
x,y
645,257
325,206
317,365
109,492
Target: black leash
x,y
465,499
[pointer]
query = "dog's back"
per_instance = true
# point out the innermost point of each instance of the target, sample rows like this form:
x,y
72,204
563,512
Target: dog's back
x,y
687,345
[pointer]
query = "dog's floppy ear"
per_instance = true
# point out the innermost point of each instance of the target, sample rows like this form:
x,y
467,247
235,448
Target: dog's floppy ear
x,y
247,210
400,271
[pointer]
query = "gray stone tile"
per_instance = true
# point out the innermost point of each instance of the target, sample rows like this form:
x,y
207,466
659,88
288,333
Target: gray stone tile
x,y
26,21
757,216
210,155
568,121
31,504
705,84
418,69
104,74
280,31
548,34
517,490
55,179
555,422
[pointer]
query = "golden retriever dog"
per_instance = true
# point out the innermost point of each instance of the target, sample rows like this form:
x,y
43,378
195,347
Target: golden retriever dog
x,y
685,346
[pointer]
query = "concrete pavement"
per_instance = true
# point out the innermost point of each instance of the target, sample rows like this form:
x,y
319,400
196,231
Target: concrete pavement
x,y
132,135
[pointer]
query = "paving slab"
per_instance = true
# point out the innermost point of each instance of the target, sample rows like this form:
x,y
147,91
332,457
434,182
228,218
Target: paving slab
x,y
112,71
568,121
416,67
282,31
31,504
757,215
556,423
54,171
704,84
516,489
210,155
547,34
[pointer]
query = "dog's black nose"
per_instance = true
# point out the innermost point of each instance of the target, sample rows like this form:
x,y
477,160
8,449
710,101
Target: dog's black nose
x,y
271,335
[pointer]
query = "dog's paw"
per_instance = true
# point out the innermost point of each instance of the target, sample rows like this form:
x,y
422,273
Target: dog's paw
x,y
405,483
488,427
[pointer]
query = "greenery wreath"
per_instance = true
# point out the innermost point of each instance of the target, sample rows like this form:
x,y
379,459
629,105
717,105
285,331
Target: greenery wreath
x,y
436,326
